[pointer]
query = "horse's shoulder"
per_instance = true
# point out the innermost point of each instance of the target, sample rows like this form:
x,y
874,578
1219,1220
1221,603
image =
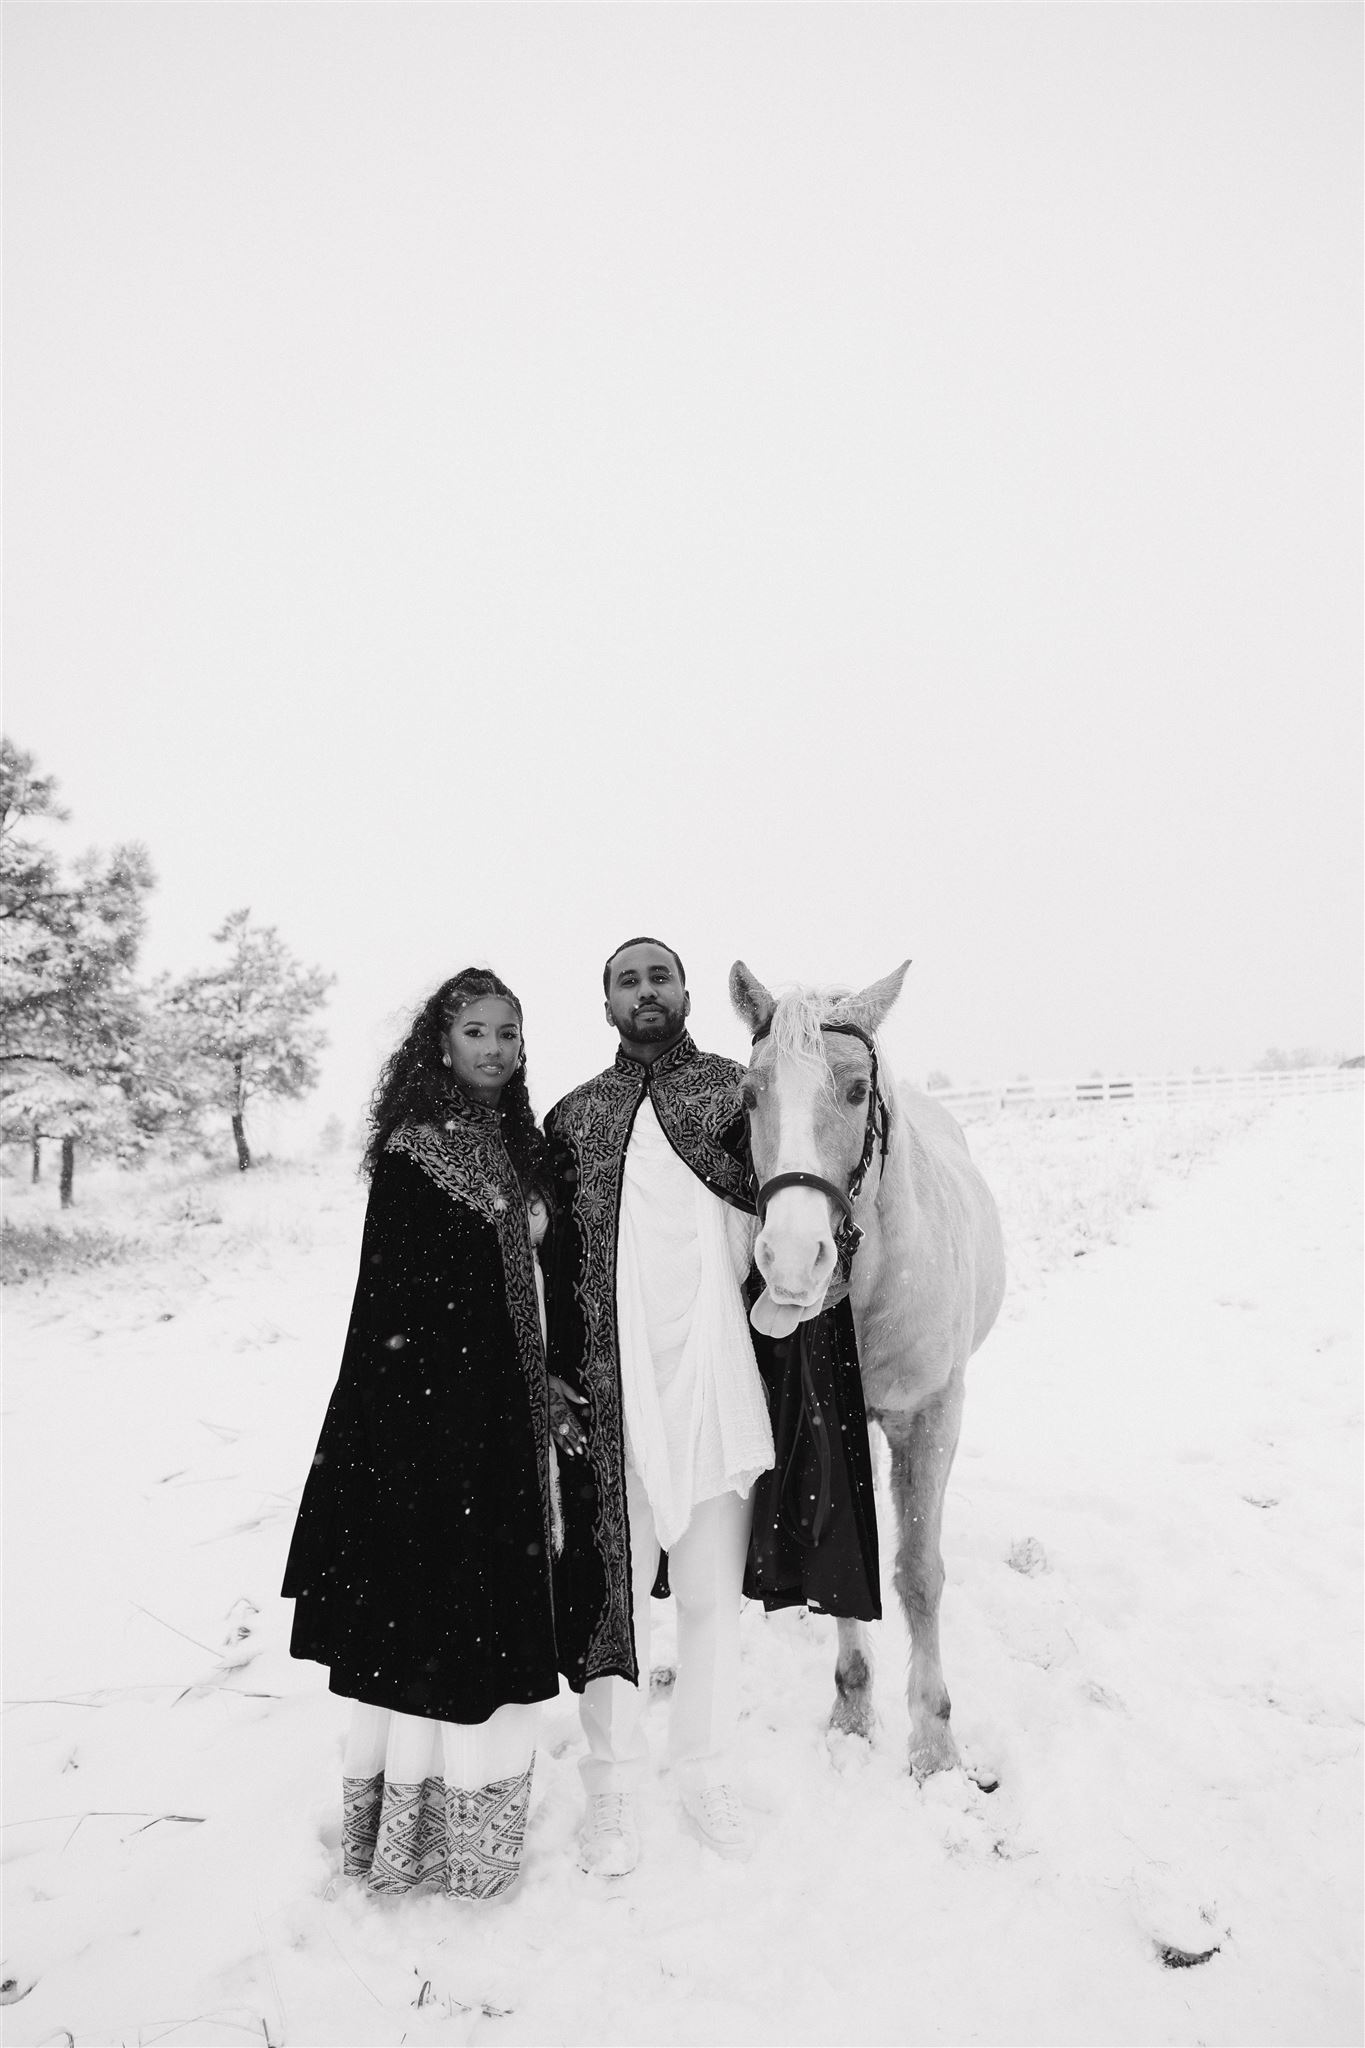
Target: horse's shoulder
x,y
945,1159
935,1125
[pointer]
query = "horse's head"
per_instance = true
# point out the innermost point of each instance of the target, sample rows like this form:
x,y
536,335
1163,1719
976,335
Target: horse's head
x,y
810,1095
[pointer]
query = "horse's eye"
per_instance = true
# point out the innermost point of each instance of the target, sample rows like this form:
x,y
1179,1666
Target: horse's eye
x,y
748,1095
857,1091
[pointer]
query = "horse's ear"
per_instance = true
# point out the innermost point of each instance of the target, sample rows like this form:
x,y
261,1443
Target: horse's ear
x,y
750,998
870,1005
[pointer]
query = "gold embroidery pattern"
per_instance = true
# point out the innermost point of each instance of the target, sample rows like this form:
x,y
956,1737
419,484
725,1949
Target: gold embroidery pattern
x,y
595,1120
469,1161
698,1105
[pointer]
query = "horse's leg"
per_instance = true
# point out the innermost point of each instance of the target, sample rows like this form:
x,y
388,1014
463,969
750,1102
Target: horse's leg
x,y
922,1447
852,1710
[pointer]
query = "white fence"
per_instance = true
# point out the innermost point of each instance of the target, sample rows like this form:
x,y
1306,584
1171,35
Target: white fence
x,y
1248,1087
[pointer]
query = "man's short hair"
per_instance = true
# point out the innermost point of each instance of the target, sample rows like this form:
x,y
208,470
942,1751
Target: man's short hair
x,y
643,940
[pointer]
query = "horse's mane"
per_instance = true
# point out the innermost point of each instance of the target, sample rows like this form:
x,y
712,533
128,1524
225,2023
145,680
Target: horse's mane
x,y
795,1033
795,1029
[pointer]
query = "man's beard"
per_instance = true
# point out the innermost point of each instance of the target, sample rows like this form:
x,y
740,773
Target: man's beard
x,y
648,1025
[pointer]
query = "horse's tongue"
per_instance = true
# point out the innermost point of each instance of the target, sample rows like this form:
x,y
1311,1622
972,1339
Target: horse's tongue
x,y
778,1318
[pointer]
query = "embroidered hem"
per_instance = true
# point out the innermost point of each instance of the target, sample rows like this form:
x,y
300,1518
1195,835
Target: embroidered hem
x,y
427,1835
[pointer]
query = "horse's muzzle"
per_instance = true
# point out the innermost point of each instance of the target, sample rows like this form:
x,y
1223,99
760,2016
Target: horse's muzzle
x,y
797,1263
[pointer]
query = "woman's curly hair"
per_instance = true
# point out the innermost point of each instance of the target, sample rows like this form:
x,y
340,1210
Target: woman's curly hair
x,y
415,1086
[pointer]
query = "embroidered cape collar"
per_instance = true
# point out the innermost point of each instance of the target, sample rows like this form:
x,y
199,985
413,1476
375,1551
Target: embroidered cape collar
x,y
464,1115
679,1055
696,1095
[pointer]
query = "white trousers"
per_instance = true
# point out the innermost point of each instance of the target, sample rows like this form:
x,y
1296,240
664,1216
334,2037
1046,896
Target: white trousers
x,y
407,1748
705,1574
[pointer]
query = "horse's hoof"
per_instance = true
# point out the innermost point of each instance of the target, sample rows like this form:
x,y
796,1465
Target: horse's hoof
x,y
934,1753
850,1716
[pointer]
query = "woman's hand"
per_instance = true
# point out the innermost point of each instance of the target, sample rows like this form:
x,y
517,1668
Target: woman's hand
x,y
568,1431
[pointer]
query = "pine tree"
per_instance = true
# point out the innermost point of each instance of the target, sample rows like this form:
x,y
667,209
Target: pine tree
x,y
70,1010
242,1027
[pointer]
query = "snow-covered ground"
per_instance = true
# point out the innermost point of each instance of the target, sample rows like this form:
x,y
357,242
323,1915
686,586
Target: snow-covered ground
x,y
1151,1633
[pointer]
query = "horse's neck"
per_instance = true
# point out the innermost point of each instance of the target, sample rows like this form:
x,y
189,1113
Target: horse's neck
x,y
896,1208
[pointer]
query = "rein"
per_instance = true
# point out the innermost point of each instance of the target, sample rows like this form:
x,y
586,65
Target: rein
x,y
848,1236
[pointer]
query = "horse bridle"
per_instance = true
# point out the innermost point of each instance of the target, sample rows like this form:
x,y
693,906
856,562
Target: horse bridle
x,y
848,1236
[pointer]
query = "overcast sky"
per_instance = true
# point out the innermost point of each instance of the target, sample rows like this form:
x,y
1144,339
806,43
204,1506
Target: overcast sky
x,y
823,483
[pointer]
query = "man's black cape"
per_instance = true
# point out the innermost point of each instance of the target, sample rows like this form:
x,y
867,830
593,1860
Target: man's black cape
x,y
814,1536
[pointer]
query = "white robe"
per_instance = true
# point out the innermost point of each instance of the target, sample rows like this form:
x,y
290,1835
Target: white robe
x,y
696,1420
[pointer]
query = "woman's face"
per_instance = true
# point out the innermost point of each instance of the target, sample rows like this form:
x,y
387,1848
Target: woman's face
x,y
483,1046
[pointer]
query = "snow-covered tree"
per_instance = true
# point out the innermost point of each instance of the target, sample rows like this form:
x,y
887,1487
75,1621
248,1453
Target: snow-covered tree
x,y
241,1030
70,1009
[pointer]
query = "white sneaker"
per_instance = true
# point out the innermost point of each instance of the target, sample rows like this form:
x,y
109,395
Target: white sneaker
x,y
716,1817
608,1841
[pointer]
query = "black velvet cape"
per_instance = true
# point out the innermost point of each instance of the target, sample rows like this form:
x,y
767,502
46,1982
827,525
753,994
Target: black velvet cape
x,y
814,1537
421,1561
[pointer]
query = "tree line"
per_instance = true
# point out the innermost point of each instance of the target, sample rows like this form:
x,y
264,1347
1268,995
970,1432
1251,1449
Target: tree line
x,y
92,1057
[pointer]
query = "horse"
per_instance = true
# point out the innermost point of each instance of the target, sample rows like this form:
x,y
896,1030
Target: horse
x,y
857,1175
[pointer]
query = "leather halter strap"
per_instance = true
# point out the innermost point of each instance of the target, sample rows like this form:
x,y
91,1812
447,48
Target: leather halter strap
x,y
802,1180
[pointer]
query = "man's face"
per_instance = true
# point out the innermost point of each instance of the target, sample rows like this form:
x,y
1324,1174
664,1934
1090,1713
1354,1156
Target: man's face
x,y
646,1000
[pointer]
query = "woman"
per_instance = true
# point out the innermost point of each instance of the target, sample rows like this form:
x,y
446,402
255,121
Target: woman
x,y
421,1560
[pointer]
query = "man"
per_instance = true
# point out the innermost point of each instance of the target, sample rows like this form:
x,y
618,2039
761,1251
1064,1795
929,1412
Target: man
x,y
648,1324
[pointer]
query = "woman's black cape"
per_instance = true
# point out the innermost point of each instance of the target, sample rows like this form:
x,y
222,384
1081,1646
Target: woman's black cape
x,y
420,1564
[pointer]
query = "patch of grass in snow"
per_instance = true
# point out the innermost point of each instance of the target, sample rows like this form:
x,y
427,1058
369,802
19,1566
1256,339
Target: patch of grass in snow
x,y
204,1212
44,1251
193,1208
261,1233
1067,1183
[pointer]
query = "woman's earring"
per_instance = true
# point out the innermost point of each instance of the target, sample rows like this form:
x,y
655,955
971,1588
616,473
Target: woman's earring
x,y
445,1059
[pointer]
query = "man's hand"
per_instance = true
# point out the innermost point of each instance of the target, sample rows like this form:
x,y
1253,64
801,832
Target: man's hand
x,y
567,1430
